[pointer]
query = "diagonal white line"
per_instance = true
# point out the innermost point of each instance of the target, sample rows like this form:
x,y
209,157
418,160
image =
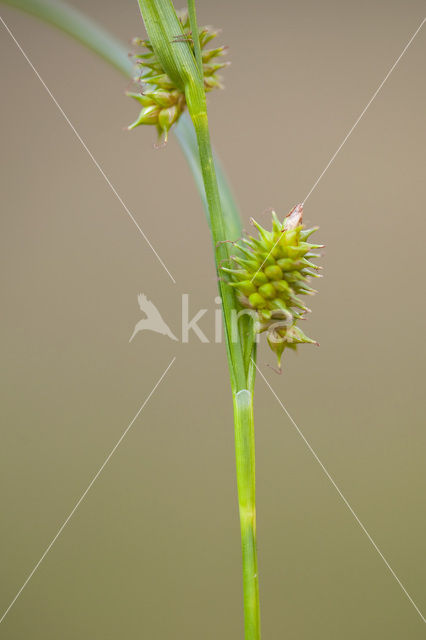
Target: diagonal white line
x,y
366,107
342,496
351,130
84,494
86,148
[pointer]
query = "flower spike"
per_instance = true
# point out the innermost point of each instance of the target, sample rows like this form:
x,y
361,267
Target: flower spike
x,y
274,272
162,102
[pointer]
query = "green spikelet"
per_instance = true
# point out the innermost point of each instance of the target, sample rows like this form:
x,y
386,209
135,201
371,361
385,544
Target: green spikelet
x,y
274,272
162,102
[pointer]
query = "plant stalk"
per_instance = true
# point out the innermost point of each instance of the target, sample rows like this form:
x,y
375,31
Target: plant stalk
x,y
245,463
242,396
179,62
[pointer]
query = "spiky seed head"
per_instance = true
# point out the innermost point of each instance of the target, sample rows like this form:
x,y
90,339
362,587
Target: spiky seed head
x,y
162,101
274,272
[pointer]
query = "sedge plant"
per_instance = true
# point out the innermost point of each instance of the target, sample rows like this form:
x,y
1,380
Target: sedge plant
x,y
261,277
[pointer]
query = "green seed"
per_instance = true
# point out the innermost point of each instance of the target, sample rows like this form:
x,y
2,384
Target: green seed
x,y
268,291
282,286
260,278
246,287
274,272
287,264
257,301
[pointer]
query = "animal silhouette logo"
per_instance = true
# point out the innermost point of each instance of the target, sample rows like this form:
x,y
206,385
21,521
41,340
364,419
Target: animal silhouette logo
x,y
153,320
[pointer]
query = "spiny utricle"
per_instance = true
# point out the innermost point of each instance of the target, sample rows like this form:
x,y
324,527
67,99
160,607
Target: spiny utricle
x,y
162,102
270,274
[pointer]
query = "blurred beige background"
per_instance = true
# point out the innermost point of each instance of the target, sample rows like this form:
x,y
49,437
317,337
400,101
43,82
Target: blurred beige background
x,y
153,552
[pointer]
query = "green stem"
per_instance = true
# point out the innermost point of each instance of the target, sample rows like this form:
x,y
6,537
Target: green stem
x,y
242,377
235,352
179,62
245,463
184,131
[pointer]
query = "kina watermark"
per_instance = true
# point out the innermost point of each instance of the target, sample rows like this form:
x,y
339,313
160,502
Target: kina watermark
x,y
202,324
